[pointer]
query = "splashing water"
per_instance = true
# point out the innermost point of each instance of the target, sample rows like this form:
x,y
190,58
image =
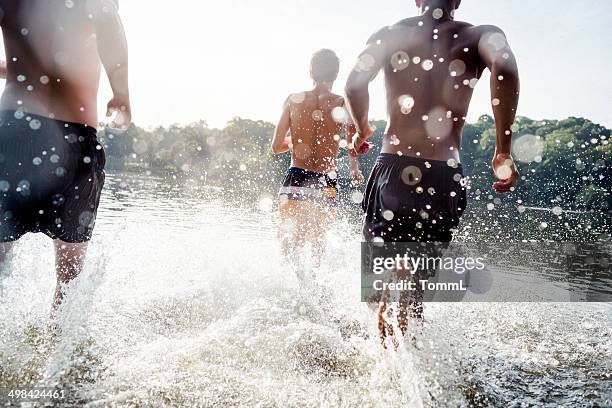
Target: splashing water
x,y
185,301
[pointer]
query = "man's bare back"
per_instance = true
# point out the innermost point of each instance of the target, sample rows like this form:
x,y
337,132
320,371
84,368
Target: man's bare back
x,y
316,125
430,85
431,68
53,51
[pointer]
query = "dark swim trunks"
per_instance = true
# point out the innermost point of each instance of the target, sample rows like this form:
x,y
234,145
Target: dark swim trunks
x,y
410,199
51,177
305,185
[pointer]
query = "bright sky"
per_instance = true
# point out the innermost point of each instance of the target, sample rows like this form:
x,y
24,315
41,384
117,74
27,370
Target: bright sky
x,y
208,60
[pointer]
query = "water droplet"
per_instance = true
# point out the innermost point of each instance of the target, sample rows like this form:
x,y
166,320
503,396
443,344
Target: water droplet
x,y
457,68
427,65
406,103
411,175
5,186
400,60
526,148
339,114
503,172
298,98
388,215
266,204
35,124
365,63
357,197
497,41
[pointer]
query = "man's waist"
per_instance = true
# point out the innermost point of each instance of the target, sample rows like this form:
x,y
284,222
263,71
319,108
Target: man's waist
x,y
35,122
69,109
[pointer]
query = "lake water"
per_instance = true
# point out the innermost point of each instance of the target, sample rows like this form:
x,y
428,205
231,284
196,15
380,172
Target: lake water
x,y
185,302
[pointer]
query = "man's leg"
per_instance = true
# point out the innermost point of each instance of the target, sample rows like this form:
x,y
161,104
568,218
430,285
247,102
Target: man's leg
x,y
318,225
69,260
5,251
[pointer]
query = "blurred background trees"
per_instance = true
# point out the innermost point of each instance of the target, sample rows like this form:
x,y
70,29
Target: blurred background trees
x,y
564,162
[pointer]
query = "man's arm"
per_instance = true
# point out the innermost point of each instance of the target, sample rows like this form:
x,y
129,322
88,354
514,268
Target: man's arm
x,y
113,50
3,69
356,174
370,62
505,88
281,142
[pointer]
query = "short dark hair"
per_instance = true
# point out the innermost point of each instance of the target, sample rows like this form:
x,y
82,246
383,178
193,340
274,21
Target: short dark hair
x,y
324,66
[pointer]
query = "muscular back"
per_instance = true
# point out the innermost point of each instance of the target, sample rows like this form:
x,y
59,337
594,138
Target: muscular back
x,y
431,68
52,58
316,125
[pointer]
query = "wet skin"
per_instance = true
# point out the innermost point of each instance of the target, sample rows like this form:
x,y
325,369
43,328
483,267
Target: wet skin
x,y
53,58
315,132
316,119
431,67
53,70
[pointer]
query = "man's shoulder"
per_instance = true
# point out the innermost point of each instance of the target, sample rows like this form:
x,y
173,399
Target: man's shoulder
x,y
406,22
297,98
387,31
487,29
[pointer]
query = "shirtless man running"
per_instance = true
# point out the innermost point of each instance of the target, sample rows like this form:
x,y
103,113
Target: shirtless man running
x,y
51,165
316,119
431,65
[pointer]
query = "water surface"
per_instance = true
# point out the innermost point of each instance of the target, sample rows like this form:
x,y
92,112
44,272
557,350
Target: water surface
x,y
185,302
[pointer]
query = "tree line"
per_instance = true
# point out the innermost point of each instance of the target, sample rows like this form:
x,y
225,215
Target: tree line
x,y
564,162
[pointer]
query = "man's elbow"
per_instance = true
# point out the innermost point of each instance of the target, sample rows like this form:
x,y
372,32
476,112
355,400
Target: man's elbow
x,y
505,69
351,90
355,87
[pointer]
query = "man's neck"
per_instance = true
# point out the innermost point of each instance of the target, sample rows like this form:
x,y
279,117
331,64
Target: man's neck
x,y
438,10
322,87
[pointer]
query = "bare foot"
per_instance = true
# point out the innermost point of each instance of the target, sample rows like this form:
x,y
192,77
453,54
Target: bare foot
x,y
386,329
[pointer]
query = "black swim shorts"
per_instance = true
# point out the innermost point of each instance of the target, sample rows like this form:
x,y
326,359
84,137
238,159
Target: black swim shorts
x,y
51,177
410,199
306,185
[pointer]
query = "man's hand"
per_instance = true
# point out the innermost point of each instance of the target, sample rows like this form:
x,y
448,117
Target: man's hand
x,y
121,108
505,170
360,142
